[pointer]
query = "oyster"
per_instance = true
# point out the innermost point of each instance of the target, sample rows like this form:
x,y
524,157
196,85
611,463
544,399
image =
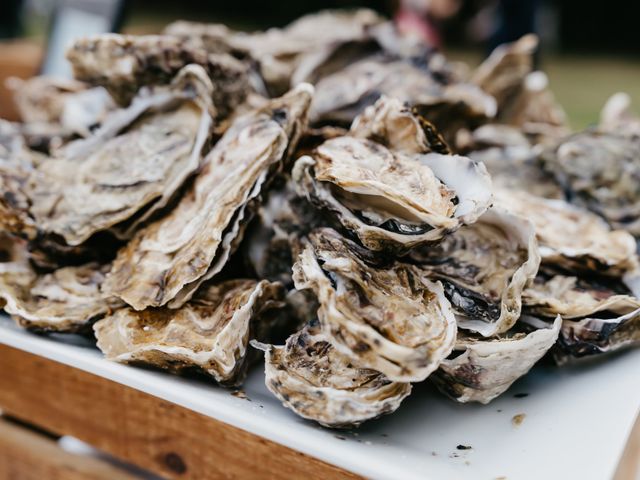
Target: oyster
x,y
591,336
501,75
125,63
280,51
133,165
616,116
480,369
601,172
312,378
383,316
392,200
599,314
343,95
399,128
484,268
572,297
209,334
167,260
511,160
572,237
522,95
66,300
65,106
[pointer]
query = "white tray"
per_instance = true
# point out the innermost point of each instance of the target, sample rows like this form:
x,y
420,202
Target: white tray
x,y
576,424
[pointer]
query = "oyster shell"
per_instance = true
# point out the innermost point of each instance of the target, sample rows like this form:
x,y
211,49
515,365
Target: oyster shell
x,y
482,369
280,51
399,128
572,237
135,162
125,63
599,314
573,297
616,116
343,95
522,95
66,300
601,172
511,160
484,268
501,75
167,260
209,334
312,378
392,200
60,104
386,317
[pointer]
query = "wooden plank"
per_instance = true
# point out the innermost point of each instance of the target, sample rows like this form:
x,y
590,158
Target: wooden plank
x,y
28,455
142,429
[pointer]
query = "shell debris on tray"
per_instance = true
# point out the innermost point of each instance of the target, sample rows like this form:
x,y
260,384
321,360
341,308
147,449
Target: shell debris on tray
x,y
319,192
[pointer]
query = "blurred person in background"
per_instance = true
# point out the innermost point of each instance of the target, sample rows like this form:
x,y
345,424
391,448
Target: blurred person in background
x,y
493,21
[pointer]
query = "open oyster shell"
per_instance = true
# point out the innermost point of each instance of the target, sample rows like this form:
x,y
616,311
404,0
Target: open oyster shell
x,y
392,200
482,369
135,162
167,260
572,237
599,314
574,297
484,268
312,378
601,172
125,63
209,334
386,317
66,300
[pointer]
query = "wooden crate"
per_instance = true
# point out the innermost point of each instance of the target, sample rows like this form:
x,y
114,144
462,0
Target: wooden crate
x,y
154,434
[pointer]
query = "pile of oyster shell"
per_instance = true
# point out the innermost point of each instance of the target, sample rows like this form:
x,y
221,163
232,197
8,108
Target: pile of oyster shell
x,y
367,213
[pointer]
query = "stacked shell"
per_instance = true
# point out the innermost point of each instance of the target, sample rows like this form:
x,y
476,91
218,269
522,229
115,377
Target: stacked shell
x,y
189,196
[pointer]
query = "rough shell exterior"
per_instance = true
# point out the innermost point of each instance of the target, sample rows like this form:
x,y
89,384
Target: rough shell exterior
x,y
392,200
312,378
572,237
66,300
136,161
166,261
482,369
125,63
386,317
209,334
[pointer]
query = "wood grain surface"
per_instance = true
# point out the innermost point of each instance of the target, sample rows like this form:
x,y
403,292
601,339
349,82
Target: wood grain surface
x,y
29,455
152,433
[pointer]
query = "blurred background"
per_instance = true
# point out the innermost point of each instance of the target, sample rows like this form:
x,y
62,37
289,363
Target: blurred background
x,y
590,49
